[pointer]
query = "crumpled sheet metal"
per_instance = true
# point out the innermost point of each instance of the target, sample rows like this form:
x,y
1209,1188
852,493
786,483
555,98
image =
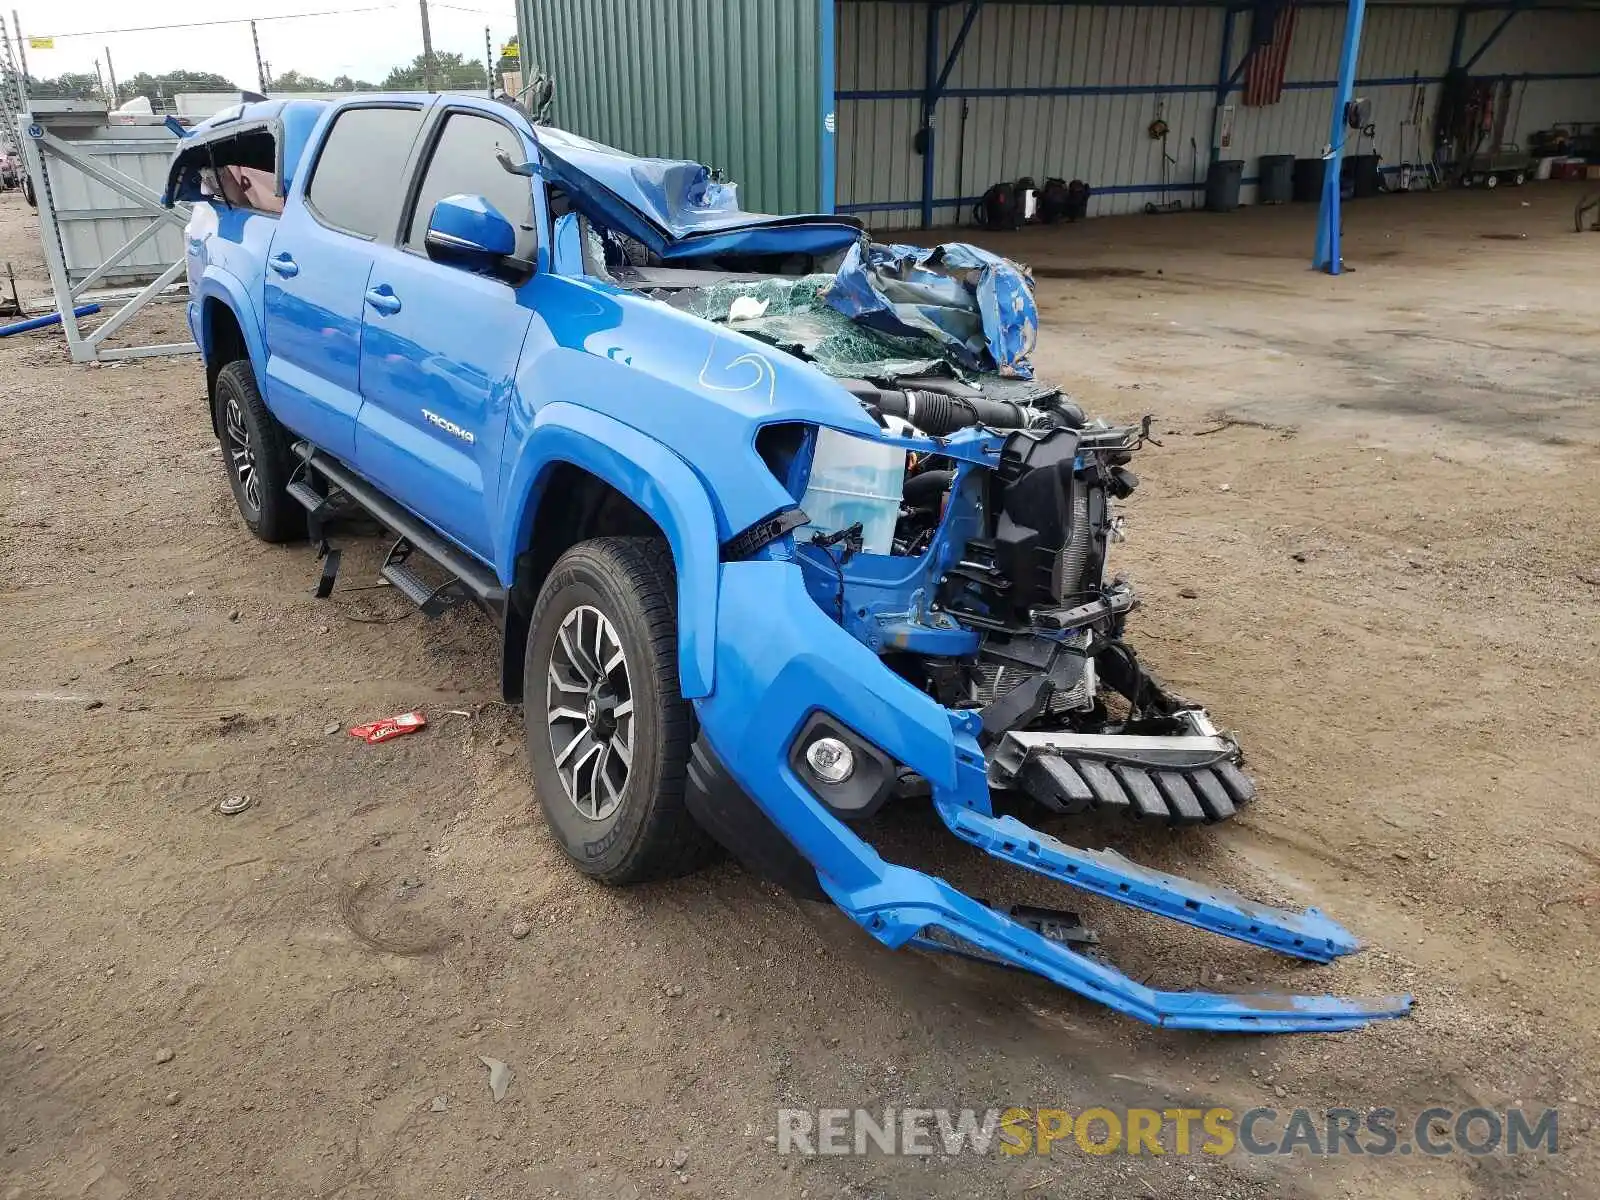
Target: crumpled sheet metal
x,y
952,309
976,305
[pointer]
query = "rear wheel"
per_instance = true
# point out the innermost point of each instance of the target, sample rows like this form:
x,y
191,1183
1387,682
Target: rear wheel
x,y
608,731
255,454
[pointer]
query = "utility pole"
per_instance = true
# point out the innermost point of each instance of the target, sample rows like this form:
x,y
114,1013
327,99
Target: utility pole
x,y
261,70
100,79
112,72
488,60
427,49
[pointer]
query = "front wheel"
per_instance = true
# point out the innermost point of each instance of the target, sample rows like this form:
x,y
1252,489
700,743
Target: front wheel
x,y
608,731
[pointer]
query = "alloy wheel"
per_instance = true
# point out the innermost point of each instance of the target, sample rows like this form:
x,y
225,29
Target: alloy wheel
x,y
242,454
589,696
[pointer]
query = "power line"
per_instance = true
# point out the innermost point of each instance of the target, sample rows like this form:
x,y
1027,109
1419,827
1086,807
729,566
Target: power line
x,y
334,12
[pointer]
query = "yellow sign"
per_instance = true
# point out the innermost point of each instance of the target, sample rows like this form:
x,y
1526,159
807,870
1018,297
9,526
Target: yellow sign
x,y
511,50
44,43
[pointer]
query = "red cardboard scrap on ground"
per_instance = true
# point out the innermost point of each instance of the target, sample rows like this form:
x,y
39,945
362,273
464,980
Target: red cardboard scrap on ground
x,y
389,727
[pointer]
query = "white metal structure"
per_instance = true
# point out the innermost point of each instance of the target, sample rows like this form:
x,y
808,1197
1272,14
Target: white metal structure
x,y
101,219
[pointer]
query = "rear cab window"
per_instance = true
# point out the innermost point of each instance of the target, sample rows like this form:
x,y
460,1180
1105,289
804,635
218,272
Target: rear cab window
x,y
238,168
463,161
357,183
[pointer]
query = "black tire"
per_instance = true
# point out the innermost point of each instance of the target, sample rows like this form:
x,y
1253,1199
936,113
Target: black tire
x,y
27,191
255,444
648,833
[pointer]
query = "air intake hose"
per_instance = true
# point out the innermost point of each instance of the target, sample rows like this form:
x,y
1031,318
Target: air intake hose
x,y
938,414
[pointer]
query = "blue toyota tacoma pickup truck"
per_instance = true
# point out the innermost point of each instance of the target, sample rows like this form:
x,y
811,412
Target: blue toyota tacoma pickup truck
x,y
776,522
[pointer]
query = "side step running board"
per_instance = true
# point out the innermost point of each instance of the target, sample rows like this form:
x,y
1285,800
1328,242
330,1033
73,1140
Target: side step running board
x,y
469,578
430,599
1308,935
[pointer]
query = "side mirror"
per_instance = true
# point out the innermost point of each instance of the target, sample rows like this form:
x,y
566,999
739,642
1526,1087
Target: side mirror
x,y
468,231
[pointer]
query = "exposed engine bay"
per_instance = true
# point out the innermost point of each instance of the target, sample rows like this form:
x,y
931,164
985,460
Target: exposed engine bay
x,y
1014,609
971,546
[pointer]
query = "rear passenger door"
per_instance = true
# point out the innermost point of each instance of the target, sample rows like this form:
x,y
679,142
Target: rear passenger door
x,y
440,344
317,268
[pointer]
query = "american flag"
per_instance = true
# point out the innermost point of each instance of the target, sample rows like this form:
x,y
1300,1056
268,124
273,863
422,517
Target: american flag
x,y
1263,77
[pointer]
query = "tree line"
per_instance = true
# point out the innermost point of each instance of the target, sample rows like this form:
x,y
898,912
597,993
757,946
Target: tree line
x,y
450,70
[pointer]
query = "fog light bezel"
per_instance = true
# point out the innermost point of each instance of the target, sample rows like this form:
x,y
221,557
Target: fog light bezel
x,y
863,791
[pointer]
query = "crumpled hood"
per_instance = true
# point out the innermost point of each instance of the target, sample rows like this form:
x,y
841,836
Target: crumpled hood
x,y
976,306
892,312
675,207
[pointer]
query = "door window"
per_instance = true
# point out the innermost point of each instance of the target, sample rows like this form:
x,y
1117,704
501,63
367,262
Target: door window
x,y
359,176
464,162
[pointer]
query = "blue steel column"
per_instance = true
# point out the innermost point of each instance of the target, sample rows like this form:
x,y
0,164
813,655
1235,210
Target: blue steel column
x,y
929,106
1327,251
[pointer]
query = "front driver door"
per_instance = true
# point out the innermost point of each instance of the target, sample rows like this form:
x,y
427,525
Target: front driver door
x,y
440,344
317,269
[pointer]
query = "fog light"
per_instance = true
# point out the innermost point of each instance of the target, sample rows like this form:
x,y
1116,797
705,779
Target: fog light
x,y
830,760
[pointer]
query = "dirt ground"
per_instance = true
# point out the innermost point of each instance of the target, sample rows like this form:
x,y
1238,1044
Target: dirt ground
x,y
1383,491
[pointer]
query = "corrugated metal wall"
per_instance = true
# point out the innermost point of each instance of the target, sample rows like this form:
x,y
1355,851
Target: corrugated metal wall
x,y
1396,44
1102,138
736,84
1558,42
95,220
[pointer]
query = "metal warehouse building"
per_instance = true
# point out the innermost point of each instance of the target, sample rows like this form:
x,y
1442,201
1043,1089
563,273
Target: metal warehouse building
x,y
829,104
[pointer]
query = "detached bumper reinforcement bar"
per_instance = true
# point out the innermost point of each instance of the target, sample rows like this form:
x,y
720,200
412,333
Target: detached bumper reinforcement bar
x,y
907,907
1308,935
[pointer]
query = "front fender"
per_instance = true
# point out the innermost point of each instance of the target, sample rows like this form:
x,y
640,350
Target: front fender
x,y
655,479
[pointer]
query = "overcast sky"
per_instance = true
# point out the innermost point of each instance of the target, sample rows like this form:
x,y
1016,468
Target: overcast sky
x,y
363,45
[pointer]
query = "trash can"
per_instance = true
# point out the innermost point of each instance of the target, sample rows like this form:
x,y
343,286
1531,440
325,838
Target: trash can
x,y
1222,184
1308,176
1364,174
1277,179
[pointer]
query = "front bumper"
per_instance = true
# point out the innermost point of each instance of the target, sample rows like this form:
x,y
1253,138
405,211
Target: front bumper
x,y
780,659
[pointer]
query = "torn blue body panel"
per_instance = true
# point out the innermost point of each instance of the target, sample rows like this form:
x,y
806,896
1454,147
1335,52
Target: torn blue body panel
x,y
677,208
977,305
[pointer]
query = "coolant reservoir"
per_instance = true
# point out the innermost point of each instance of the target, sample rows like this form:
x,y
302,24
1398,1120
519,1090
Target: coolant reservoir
x,y
854,479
